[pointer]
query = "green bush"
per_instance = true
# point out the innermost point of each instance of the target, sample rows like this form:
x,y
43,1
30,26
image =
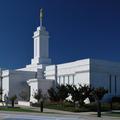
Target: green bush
x,y
116,99
116,106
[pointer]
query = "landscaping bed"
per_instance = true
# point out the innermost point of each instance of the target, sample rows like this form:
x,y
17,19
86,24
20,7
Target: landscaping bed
x,y
85,108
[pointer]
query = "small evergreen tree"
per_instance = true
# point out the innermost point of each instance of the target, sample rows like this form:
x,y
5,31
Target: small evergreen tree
x,y
12,99
74,92
38,95
53,96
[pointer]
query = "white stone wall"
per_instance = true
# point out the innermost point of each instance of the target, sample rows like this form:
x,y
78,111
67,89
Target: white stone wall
x,y
33,83
24,103
41,46
70,73
44,85
36,84
88,71
5,83
82,78
15,81
97,73
106,74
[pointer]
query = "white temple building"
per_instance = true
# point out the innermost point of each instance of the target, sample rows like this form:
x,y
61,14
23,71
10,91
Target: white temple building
x,y
41,74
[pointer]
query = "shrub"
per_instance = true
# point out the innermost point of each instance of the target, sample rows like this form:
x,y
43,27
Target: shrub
x,y
53,96
116,99
38,95
12,99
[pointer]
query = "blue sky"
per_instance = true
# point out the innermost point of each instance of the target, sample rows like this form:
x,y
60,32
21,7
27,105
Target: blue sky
x,y
78,29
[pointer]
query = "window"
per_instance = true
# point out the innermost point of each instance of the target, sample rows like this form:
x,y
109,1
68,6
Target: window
x,y
63,80
110,77
73,79
68,80
115,85
59,80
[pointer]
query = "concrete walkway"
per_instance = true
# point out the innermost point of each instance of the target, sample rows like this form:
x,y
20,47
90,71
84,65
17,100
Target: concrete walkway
x,y
43,116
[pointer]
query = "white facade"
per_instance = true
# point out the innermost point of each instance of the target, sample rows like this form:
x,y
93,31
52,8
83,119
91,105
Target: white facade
x,y
70,73
41,46
106,74
35,84
41,75
97,73
14,82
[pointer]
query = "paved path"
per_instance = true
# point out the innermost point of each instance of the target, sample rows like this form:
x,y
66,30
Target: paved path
x,y
43,116
20,116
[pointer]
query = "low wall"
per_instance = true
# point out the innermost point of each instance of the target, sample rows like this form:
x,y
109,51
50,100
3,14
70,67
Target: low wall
x,y
24,103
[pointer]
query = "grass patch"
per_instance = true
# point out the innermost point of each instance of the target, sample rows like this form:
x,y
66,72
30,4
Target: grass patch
x,y
113,114
65,107
16,109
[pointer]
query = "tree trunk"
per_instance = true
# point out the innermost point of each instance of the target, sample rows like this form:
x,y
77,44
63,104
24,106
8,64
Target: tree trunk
x,y
41,106
98,108
74,104
13,103
111,106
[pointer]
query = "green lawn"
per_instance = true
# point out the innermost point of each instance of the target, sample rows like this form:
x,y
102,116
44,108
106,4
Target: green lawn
x,y
17,109
113,114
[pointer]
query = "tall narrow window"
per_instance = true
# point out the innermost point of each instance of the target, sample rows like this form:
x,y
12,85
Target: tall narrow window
x,y
115,85
110,77
59,80
73,80
68,80
63,80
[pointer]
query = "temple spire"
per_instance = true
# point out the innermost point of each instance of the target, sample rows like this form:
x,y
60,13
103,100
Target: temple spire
x,y
41,16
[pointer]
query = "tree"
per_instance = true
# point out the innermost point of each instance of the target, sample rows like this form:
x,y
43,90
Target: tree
x,y
24,95
80,93
98,94
53,96
1,93
62,92
12,99
74,92
84,92
38,95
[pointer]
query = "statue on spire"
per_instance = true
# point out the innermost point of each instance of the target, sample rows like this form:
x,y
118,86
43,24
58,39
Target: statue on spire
x,y
41,16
